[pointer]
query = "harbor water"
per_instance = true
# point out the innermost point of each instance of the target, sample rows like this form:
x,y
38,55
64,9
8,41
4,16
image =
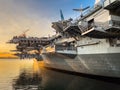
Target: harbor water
x,y
18,74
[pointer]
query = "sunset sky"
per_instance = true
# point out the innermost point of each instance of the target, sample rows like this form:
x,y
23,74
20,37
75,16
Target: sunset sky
x,y
18,15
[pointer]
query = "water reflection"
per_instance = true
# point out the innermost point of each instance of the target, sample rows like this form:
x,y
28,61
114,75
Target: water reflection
x,y
53,80
31,75
45,79
27,81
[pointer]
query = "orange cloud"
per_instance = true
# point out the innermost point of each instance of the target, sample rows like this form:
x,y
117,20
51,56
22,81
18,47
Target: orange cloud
x,y
15,18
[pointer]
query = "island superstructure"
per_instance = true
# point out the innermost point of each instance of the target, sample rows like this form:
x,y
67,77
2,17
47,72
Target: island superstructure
x,y
89,44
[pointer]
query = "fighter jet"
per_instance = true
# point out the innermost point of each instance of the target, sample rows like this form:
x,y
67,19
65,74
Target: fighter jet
x,y
81,10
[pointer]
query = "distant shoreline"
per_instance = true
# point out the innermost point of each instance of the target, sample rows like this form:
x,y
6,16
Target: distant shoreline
x,y
9,58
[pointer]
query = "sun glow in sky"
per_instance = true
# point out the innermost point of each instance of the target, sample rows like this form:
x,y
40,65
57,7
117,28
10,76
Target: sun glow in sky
x,y
18,15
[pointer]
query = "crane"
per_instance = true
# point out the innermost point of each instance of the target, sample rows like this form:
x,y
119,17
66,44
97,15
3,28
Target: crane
x,y
24,33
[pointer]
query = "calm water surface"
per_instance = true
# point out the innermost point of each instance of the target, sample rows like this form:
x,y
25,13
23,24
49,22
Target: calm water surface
x,y
31,75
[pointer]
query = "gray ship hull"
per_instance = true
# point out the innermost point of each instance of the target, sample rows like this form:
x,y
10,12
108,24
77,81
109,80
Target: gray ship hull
x,y
95,64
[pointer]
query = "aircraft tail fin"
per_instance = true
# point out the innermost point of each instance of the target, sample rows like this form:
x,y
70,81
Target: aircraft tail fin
x,y
61,15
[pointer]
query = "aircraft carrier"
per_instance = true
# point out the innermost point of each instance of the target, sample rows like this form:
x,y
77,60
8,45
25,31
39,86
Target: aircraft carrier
x,y
89,44
28,47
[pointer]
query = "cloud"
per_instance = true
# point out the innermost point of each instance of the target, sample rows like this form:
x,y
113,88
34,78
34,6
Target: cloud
x,y
17,17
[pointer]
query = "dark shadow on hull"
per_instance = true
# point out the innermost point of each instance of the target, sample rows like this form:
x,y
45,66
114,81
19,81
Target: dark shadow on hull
x,y
72,56
115,80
